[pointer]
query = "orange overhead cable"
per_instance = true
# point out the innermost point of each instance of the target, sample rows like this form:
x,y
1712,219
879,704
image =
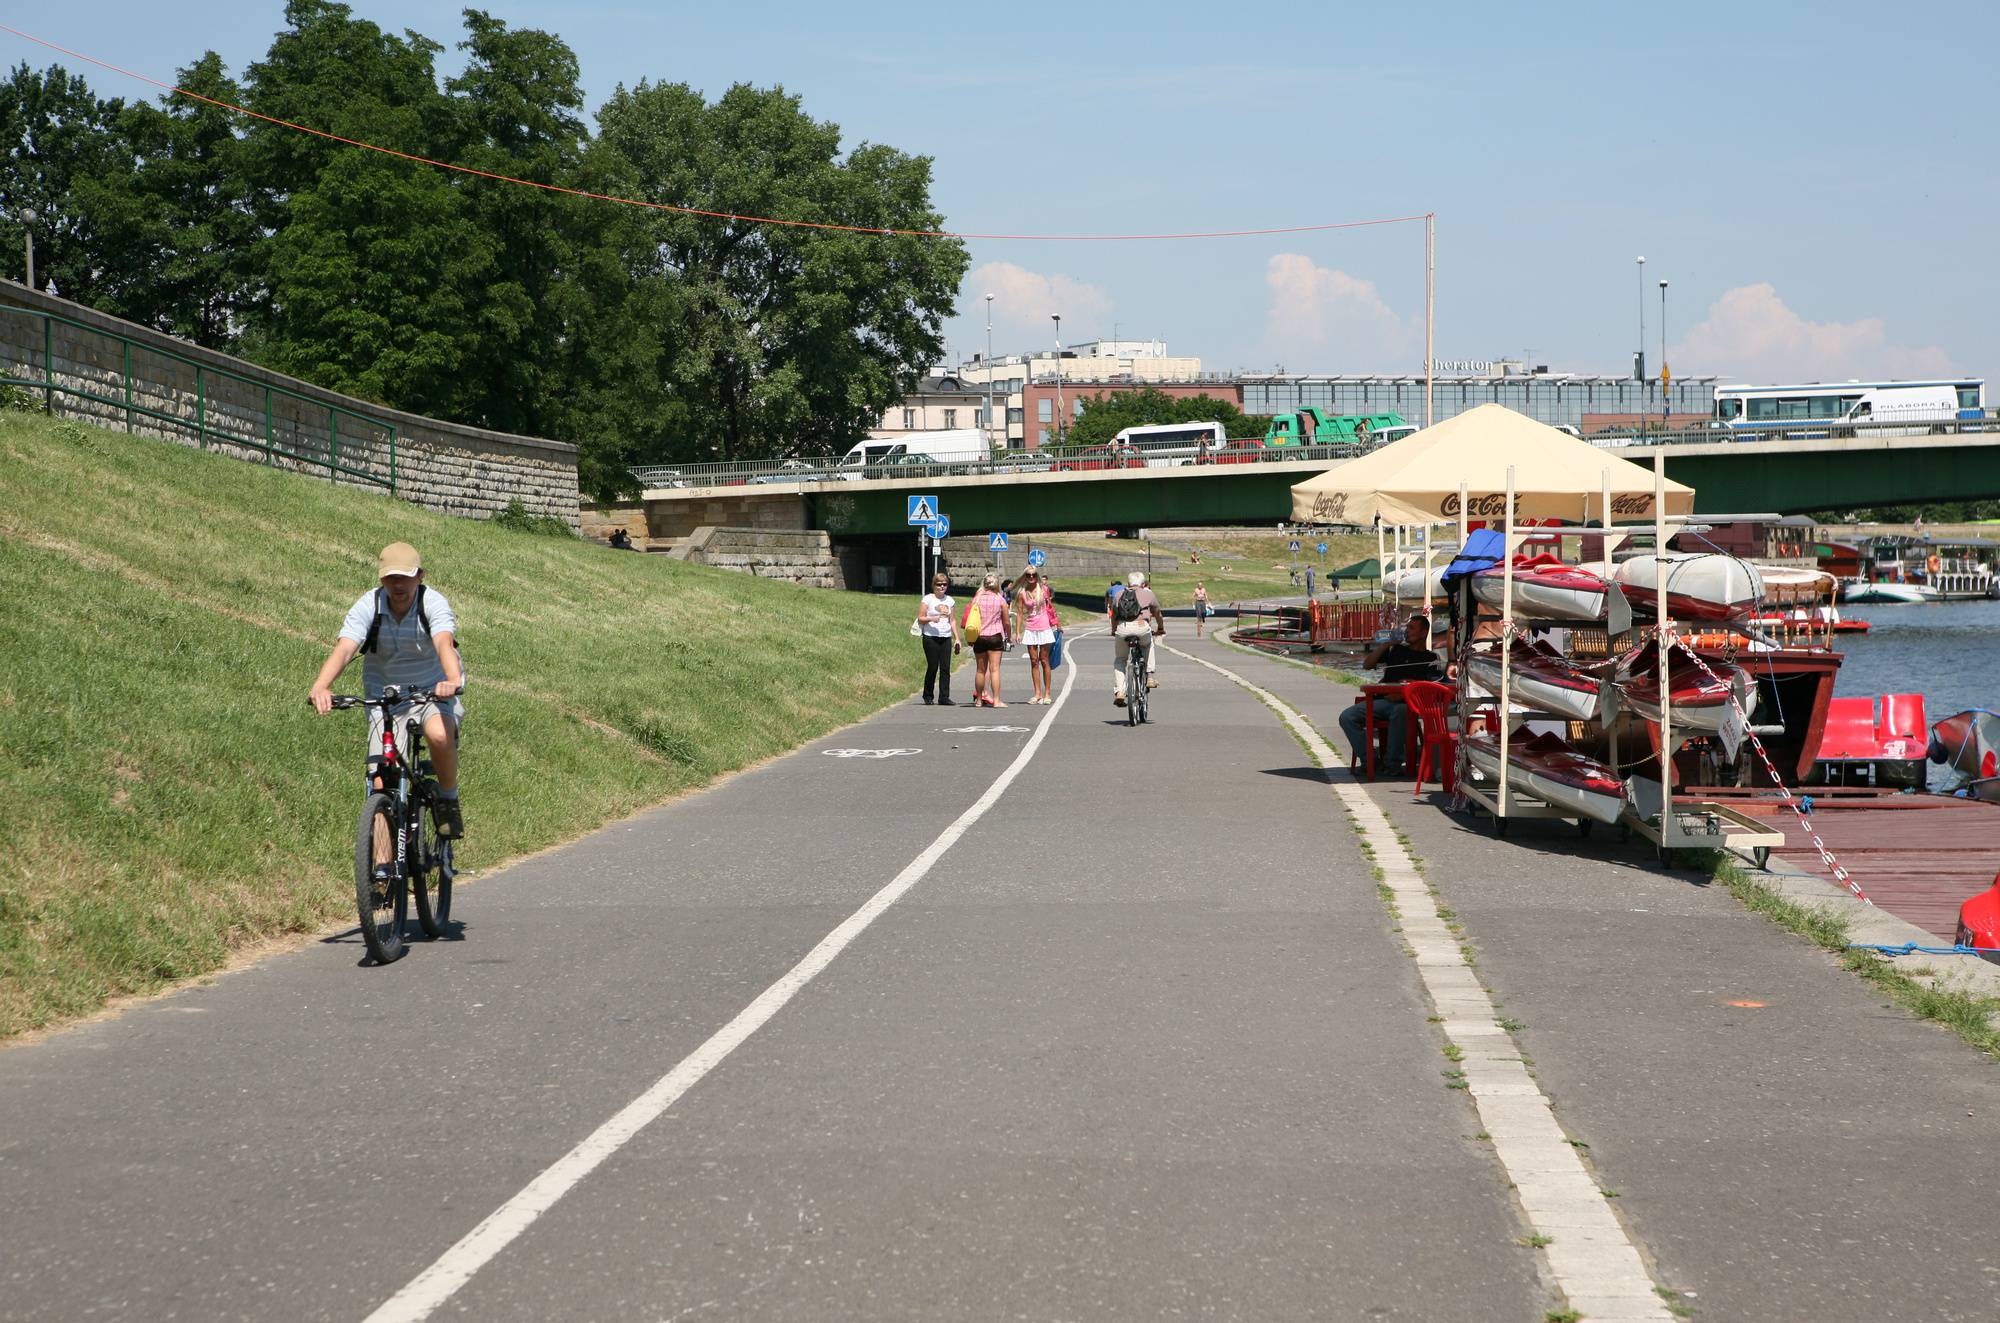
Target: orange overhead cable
x,y
691,211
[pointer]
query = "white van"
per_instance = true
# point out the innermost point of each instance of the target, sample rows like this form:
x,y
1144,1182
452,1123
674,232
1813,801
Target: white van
x,y
964,445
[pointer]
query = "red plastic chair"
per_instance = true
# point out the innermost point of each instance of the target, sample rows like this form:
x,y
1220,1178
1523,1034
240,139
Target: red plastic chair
x,y
1431,704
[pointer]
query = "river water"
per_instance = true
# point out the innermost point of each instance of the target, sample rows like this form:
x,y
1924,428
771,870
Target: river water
x,y
1947,651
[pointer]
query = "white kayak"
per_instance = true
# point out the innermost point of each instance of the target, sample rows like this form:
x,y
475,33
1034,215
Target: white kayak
x,y
1550,770
1547,589
1415,583
1702,586
1541,678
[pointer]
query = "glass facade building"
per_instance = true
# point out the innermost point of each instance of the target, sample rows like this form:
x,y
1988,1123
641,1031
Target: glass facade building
x,y
1551,398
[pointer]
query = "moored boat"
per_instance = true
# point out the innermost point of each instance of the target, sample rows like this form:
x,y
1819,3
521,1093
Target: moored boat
x,y
1547,768
1702,586
1967,746
1873,742
1539,677
1885,592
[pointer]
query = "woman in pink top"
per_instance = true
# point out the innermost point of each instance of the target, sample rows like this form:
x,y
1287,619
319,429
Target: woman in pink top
x,y
1035,599
990,643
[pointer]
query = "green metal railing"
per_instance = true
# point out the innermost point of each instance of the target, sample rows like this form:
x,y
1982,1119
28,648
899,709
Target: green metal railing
x,y
327,458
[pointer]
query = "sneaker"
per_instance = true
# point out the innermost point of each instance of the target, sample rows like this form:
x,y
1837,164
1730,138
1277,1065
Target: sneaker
x,y
1118,700
450,824
1152,682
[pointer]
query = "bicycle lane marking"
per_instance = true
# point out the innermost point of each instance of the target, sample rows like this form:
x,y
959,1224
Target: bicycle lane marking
x,y
432,1287
1592,1258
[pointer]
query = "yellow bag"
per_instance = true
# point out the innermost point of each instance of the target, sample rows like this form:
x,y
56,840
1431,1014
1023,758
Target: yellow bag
x,y
972,623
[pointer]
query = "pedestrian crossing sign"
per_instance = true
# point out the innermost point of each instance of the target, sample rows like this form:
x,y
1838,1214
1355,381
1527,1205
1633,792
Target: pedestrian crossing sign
x,y
923,510
996,541
1293,545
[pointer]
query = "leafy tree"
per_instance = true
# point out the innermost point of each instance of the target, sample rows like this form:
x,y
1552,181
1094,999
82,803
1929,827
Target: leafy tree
x,y
785,340
58,135
370,266
1105,415
179,218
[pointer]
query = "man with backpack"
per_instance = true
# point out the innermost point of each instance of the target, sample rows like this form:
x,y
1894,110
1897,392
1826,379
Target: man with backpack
x,y
408,636
1128,614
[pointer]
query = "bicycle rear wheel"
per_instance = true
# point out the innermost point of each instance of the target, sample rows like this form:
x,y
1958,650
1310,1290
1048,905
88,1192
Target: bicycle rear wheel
x,y
381,895
430,880
1135,687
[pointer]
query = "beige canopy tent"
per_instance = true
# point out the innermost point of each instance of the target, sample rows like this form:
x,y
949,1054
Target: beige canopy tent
x,y
1417,480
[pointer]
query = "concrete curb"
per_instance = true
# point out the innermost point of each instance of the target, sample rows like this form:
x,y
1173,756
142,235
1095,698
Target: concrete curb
x,y
1871,924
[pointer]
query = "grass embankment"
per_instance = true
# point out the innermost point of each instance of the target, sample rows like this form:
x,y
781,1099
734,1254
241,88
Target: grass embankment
x,y
167,797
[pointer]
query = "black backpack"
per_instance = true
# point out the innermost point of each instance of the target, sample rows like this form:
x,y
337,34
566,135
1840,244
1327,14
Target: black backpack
x,y
374,639
1126,609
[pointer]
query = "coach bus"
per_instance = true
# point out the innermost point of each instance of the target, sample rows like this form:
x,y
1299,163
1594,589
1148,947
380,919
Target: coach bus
x,y
1834,408
1167,445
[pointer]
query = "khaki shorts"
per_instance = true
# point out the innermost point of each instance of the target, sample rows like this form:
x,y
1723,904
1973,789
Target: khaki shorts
x,y
452,710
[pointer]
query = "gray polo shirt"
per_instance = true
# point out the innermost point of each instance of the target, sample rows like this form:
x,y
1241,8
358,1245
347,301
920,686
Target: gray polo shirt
x,y
404,654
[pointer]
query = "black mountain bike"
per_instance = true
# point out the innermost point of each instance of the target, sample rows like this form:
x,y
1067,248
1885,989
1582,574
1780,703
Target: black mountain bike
x,y
1136,698
397,850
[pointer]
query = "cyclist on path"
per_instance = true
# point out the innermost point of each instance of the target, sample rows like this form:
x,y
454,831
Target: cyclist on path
x,y
1128,616
407,635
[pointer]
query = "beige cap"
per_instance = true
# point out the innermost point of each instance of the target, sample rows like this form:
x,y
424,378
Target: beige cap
x,y
399,558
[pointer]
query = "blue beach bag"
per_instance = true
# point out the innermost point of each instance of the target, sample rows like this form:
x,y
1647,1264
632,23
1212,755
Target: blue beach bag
x,y
1055,651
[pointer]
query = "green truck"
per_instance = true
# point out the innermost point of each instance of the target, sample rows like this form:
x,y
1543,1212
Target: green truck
x,y
1315,427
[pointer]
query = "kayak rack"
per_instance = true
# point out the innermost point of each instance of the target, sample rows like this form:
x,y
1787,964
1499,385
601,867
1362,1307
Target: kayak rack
x,y
1651,809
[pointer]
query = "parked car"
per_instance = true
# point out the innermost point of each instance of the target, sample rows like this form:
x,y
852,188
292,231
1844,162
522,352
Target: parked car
x,y
792,470
897,466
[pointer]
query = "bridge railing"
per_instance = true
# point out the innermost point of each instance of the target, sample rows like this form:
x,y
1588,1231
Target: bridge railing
x,y
1803,429
109,378
829,470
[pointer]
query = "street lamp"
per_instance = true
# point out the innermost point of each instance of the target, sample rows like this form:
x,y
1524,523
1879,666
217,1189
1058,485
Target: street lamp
x,y
28,218
1666,377
989,377
1062,422
1639,360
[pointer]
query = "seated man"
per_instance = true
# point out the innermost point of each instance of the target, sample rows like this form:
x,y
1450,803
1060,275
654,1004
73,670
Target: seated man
x,y
1401,660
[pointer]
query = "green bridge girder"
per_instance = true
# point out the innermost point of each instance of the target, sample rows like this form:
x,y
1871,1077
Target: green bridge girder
x,y
1780,477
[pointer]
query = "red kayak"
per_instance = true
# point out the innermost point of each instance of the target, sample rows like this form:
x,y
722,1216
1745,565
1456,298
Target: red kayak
x,y
1701,692
1547,768
1979,922
1546,588
1539,677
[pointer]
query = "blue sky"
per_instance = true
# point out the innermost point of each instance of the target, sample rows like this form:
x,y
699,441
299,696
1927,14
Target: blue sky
x,y
1817,182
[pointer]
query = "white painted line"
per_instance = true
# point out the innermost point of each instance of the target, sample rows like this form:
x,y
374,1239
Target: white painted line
x,y
1591,1257
456,1266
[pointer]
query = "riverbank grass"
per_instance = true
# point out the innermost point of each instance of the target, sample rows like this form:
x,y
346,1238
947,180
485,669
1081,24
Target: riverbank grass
x,y
167,798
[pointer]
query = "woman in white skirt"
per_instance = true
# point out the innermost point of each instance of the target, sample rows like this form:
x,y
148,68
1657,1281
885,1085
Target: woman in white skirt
x,y
1035,601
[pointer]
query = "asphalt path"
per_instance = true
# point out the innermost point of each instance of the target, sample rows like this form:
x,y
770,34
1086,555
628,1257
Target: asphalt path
x,y
1784,1144
1137,1040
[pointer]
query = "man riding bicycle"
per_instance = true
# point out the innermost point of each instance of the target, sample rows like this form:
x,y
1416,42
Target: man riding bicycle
x,y
407,635
1128,614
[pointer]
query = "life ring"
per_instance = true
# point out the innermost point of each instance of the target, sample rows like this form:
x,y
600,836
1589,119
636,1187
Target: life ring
x,y
1933,565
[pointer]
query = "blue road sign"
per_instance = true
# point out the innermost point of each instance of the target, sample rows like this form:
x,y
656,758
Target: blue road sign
x,y
1293,545
1322,548
1038,558
996,541
923,510
941,527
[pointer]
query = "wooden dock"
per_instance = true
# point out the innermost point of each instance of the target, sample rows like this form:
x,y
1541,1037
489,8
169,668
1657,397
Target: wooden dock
x,y
1917,856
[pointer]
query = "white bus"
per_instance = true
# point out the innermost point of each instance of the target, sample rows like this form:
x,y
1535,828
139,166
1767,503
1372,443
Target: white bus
x,y
1167,445
1833,408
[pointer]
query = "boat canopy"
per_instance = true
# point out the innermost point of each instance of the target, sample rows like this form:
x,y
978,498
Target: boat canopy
x,y
1416,480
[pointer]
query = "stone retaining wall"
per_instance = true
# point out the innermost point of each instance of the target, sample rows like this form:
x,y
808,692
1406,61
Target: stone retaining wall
x,y
163,387
967,560
802,557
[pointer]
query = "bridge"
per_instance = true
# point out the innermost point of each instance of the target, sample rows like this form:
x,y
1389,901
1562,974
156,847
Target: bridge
x,y
1785,476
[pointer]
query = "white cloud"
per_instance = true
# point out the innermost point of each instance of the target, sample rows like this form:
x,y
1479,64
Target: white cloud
x,y
1023,302
1751,334
1332,321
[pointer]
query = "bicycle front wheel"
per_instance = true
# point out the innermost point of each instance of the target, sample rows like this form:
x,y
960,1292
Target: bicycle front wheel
x,y
430,880
381,896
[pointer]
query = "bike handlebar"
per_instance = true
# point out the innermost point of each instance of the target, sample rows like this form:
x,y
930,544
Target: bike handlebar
x,y
400,698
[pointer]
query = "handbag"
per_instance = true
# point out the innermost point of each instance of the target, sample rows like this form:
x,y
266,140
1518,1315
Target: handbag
x,y
971,623
916,630
1056,651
